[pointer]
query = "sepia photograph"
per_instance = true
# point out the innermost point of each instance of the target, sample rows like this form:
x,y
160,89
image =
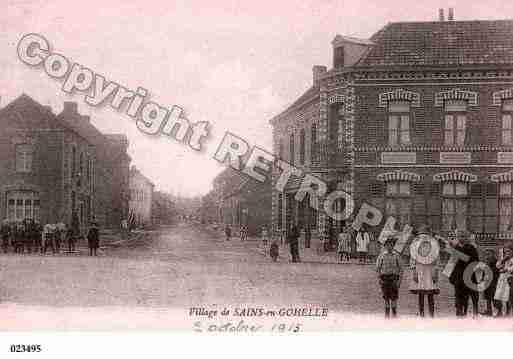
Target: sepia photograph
x,y
243,167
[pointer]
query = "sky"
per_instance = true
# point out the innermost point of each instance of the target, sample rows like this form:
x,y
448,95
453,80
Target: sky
x,y
235,64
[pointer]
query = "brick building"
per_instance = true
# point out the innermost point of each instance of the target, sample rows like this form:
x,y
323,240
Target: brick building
x,y
111,170
54,165
141,198
416,120
39,178
241,200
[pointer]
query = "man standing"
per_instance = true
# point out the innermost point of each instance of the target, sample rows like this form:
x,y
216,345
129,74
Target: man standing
x,y
293,239
462,292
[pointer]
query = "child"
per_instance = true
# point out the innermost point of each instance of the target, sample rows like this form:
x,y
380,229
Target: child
x,y
502,293
344,246
491,261
389,269
274,250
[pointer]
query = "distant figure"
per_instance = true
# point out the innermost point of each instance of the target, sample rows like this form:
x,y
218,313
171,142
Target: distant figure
x,y
48,238
227,232
70,238
265,235
344,245
362,245
93,239
274,250
243,233
293,239
5,232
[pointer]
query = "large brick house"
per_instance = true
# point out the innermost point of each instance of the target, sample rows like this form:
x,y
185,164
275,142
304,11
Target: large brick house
x,y
45,167
54,165
416,120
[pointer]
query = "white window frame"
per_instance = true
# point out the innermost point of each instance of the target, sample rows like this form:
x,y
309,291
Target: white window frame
x,y
399,118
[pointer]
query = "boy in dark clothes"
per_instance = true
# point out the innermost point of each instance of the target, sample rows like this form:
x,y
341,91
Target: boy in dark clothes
x,y
389,269
491,261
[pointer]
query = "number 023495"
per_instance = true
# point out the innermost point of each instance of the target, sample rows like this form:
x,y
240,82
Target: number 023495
x,y
22,348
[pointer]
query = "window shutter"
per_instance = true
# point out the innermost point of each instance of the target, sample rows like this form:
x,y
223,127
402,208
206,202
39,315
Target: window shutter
x,y
491,189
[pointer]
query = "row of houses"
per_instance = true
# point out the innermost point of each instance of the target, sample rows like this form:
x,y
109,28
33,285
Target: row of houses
x,y
53,166
417,121
237,200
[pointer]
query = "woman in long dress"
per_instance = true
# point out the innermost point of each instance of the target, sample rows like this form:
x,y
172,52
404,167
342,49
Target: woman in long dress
x,y
424,259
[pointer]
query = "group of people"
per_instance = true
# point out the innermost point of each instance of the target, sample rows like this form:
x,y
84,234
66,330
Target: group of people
x,y
360,245
243,232
467,282
29,236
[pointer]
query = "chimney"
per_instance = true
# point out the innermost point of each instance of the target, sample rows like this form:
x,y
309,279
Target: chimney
x,y
317,72
451,14
70,108
441,16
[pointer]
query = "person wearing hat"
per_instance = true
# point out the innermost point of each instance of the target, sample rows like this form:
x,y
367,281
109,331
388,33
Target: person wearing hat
x,y
93,238
390,271
462,292
424,259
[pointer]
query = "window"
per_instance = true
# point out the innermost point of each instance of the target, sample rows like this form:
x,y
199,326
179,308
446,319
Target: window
x,y
340,128
314,145
398,201
73,161
455,123
280,150
398,123
81,164
507,128
24,153
505,206
302,147
454,205
291,150
22,205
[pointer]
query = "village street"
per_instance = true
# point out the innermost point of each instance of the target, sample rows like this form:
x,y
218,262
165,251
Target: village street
x,y
188,266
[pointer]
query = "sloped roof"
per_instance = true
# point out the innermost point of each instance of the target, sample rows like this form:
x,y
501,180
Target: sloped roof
x,y
442,43
312,92
30,114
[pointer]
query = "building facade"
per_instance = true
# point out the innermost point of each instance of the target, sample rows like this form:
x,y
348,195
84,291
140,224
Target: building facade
x,y
53,166
46,167
141,198
240,201
416,121
111,170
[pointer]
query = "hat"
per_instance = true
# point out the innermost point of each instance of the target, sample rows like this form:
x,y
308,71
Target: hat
x,y
424,229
